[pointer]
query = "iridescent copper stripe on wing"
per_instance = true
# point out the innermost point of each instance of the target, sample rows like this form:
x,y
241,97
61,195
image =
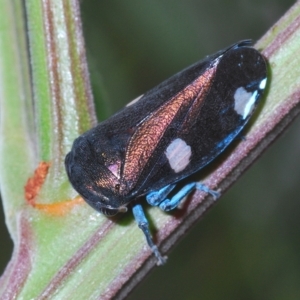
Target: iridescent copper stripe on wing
x,y
150,132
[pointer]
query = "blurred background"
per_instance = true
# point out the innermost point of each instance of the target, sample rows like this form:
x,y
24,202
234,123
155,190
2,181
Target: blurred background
x,y
248,246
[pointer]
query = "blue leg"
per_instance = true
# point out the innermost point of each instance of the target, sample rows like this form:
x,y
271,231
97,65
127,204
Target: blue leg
x,y
169,204
155,198
143,224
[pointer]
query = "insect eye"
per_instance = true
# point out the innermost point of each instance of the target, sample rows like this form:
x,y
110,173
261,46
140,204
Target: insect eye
x,y
108,211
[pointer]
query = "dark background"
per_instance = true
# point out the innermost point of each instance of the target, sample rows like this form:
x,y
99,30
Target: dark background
x,y
248,246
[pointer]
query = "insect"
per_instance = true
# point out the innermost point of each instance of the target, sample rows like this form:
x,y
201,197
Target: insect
x,y
167,134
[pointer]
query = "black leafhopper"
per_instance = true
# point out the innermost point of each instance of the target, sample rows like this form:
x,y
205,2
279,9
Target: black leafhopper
x,y
167,134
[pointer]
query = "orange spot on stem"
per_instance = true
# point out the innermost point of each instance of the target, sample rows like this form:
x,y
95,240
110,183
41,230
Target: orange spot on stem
x,y
59,208
35,182
33,187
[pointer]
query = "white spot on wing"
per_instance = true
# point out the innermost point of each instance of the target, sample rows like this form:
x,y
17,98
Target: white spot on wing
x,y
135,100
178,154
263,84
244,101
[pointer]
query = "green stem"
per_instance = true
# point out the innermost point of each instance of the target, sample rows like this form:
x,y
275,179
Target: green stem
x,y
17,144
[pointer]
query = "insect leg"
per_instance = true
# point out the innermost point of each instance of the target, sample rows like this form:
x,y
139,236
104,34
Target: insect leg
x,y
169,204
143,224
155,198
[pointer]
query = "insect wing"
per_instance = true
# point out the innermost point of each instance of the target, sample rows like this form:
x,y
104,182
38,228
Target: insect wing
x,y
201,120
170,132
110,160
